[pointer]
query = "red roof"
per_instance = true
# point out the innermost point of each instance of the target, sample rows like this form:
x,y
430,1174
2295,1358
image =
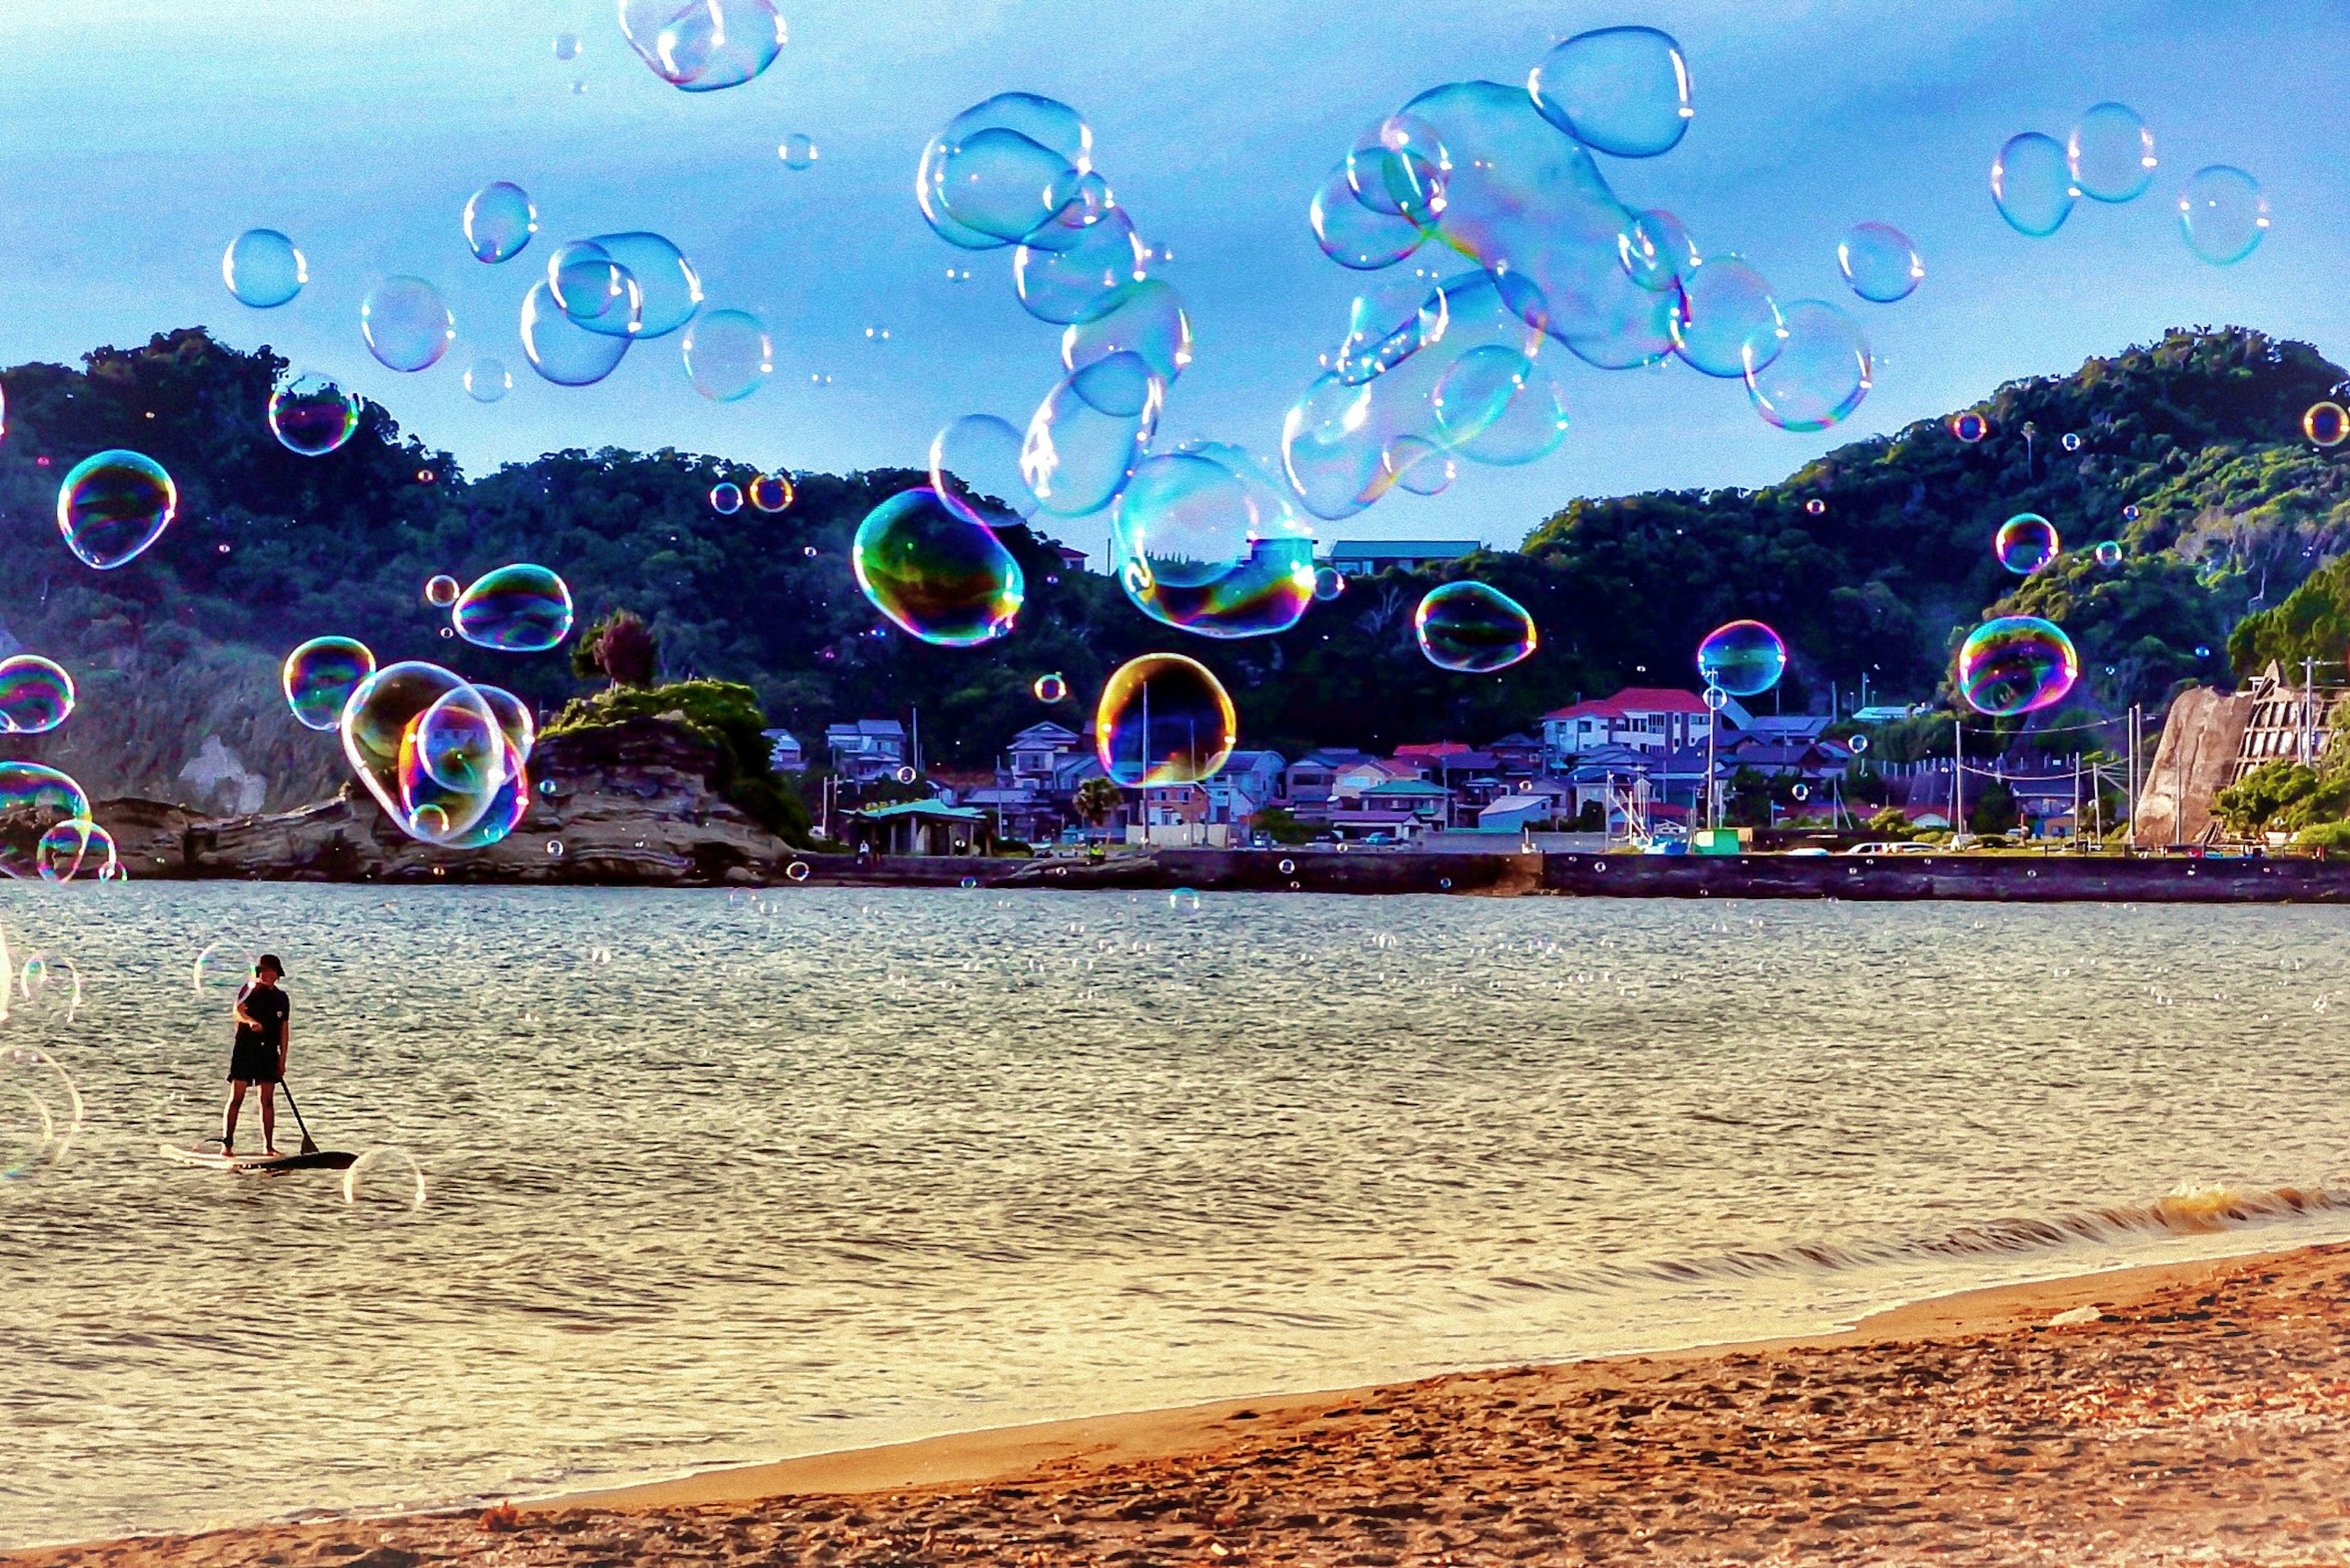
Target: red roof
x,y
1634,700
1434,749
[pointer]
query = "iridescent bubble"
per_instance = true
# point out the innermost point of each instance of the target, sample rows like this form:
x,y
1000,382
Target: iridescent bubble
x,y
440,590
379,724
1386,324
2223,213
386,1181
596,291
1880,263
263,269
35,694
975,470
1002,169
1656,251
2025,542
311,416
725,498
75,847
488,379
407,324
36,791
1204,540
797,150
1744,659
1328,583
669,289
1496,406
1726,304
2109,553
2031,185
499,222
727,354
702,46
1970,427
771,494
1857,744
2129,513
319,676
112,506
1085,437
1051,689
40,1112
559,349
1472,630
1816,371
940,577
2016,664
1619,90
2110,154
1163,718
1399,168
517,608
1354,236
1066,271
1145,318
2325,424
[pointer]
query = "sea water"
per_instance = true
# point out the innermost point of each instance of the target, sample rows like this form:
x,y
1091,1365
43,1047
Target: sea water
x,y
715,1176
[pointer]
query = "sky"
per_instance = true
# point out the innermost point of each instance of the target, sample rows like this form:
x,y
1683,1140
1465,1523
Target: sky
x,y
137,138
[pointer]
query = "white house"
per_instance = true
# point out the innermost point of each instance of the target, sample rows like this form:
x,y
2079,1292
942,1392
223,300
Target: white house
x,y
1645,718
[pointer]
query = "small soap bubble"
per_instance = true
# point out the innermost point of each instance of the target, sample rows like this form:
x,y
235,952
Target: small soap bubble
x,y
2031,185
1328,583
407,324
937,576
442,590
567,46
1051,689
1743,659
727,354
2025,542
384,1182
2072,440
725,498
1184,901
263,269
1970,427
1163,718
517,608
487,379
1880,263
2202,651
2129,513
2016,664
2223,213
797,151
113,504
311,416
2110,154
2325,424
1472,630
319,676
499,221
772,492
1815,506
2109,553
555,847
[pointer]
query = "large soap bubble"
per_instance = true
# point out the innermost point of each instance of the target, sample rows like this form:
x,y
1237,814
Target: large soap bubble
x,y
727,354
499,222
975,470
1002,169
1816,373
1730,324
1085,437
263,269
311,416
2025,542
1203,539
319,676
517,608
1400,167
1163,718
1472,630
113,504
701,45
1744,658
2032,184
668,288
407,324
1145,318
1879,262
2110,154
559,349
1067,271
939,576
1620,90
2016,664
381,725
35,694
35,789
2223,213
76,848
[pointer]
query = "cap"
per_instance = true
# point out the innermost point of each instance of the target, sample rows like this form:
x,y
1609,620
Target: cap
x,y
269,960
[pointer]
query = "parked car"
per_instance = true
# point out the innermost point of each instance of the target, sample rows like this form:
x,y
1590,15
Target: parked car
x,y
1371,838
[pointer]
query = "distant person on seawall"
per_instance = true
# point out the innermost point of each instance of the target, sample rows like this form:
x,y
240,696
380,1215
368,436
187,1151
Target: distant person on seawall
x,y
264,1030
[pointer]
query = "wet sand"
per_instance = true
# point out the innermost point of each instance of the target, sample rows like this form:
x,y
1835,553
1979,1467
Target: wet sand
x,y
2194,1413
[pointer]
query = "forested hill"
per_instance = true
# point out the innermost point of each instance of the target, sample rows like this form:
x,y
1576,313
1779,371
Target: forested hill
x,y
2201,431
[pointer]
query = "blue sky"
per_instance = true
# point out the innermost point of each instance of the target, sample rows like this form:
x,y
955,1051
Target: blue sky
x,y
136,139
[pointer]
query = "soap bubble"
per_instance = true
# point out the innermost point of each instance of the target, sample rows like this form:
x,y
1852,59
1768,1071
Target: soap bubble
x,y
1388,323
518,608
2202,651
1743,659
513,716
1814,373
76,848
2109,553
594,290
1085,437
975,470
1517,415
2110,154
442,590
35,694
1328,583
499,222
1067,271
1970,427
668,290
311,416
263,269
385,1181
1144,317
113,504
1203,539
2223,214
559,349
42,794
2129,513
797,150
771,493
1619,90
2031,185
488,379
1002,169
2016,664
1051,689
940,577
1399,168
1472,630
2072,442
1656,251
407,324
319,676
726,355
1356,235
567,46
1726,305
1857,745
2325,424
455,745
379,726
40,1112
2025,542
1880,263
1163,718
702,46
1423,468
725,498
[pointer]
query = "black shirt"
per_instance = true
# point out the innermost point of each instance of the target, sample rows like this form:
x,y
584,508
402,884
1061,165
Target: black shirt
x,y
269,1007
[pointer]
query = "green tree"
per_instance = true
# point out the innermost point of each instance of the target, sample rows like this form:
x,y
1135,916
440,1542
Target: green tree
x,y
1095,800
1275,822
1994,810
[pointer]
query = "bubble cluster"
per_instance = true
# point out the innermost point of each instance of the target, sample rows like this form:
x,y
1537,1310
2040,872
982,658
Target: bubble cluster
x,y
112,504
2223,213
35,694
517,608
311,416
939,576
2025,542
499,222
668,290
2325,424
320,675
727,354
1204,539
1002,169
771,493
704,46
1880,263
1744,659
1163,718
263,269
2016,664
725,498
433,750
1472,630
407,324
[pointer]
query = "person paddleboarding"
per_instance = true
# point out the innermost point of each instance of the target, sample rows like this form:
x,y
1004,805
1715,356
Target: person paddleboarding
x,y
258,1059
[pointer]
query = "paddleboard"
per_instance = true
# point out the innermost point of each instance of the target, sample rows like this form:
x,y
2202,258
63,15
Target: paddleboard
x,y
211,1159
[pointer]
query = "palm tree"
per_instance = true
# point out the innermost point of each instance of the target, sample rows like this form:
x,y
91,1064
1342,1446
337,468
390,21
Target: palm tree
x,y
1095,800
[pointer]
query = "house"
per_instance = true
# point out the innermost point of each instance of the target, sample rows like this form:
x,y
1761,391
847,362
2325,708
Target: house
x,y
1247,783
1072,558
1790,728
1646,718
1308,779
1017,811
1351,782
1362,558
785,752
922,828
866,750
1515,813
1428,805
1035,753
1516,755
1783,759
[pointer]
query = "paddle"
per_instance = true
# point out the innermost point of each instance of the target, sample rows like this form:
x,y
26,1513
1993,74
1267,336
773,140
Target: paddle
x,y
288,1090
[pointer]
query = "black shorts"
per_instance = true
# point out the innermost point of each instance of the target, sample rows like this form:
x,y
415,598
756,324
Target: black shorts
x,y
253,1063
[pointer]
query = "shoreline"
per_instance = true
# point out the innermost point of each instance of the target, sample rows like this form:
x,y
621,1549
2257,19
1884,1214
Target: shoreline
x,y
998,1480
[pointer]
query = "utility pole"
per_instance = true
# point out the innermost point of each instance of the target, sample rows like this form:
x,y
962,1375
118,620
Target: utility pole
x,y
1958,775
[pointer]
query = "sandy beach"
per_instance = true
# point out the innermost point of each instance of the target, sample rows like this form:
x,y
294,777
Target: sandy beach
x,y
2174,1414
